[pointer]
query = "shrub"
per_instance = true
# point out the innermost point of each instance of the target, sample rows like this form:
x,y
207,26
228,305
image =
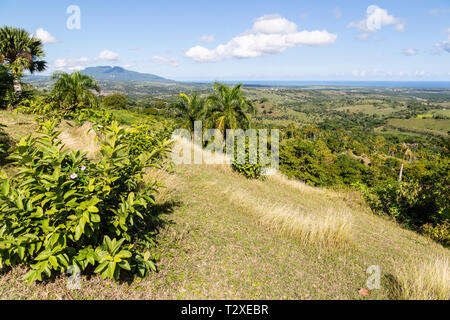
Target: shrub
x,y
40,107
299,159
61,209
51,110
2,141
439,232
6,86
247,169
150,135
115,101
422,202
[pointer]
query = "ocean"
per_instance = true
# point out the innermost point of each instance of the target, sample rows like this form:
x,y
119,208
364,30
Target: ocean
x,y
388,84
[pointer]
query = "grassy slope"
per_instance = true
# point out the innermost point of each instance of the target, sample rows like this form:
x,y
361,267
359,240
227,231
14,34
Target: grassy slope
x,y
213,247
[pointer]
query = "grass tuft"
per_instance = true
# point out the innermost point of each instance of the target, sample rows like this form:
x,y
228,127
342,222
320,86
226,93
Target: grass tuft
x,y
423,281
330,227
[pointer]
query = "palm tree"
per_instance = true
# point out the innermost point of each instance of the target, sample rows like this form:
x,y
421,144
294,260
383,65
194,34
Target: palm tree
x,y
407,154
191,109
72,89
20,51
228,108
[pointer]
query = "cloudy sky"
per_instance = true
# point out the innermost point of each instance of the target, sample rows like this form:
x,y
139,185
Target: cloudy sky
x,y
245,39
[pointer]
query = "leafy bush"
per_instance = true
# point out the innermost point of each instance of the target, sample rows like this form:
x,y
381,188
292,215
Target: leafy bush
x,y
62,209
249,170
300,159
149,135
50,110
40,107
116,100
2,141
422,202
439,232
6,86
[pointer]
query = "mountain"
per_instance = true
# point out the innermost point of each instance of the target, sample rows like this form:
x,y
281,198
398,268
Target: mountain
x,y
118,73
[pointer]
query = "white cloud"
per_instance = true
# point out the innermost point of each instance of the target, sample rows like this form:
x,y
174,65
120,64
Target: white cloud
x,y
359,74
410,52
444,45
163,60
207,39
271,34
70,64
44,36
376,18
274,24
108,56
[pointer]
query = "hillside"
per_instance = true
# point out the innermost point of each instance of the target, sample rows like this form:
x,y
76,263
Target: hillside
x,y
121,74
226,237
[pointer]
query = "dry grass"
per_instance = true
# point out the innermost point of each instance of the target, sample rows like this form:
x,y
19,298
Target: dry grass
x,y
80,138
162,176
191,151
419,280
329,227
282,180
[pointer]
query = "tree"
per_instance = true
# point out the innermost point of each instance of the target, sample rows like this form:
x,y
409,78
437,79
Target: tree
x,y
116,100
72,89
190,109
407,154
6,85
20,51
228,108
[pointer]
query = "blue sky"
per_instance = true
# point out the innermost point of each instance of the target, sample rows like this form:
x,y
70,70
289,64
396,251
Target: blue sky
x,y
246,40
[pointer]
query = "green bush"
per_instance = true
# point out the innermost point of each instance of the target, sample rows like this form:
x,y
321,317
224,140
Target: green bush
x,y
2,141
421,202
300,159
50,110
115,101
247,169
439,232
62,209
150,135
6,86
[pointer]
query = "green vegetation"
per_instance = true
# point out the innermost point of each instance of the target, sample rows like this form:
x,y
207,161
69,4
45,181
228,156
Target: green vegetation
x,y
88,187
72,91
190,109
61,209
228,108
20,51
115,101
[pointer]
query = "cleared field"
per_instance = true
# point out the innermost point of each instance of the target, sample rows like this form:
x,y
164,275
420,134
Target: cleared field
x,y
432,126
442,112
369,109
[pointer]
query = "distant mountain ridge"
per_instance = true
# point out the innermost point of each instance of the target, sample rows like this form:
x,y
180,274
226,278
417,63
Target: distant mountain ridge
x,y
119,73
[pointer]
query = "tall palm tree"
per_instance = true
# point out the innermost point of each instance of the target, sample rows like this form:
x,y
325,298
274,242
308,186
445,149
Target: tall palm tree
x,y
6,85
72,89
191,109
228,108
407,154
20,51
